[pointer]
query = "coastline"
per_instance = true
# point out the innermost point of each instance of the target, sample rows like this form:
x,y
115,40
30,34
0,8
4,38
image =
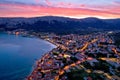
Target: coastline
x,y
34,67
59,60
52,45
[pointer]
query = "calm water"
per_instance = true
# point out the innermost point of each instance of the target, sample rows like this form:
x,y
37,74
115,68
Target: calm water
x,y
18,55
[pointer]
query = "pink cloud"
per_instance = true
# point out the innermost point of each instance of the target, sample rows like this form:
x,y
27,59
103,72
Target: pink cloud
x,y
82,5
48,2
66,5
116,3
21,10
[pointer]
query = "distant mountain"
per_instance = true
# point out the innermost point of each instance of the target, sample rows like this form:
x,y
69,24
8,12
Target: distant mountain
x,y
59,24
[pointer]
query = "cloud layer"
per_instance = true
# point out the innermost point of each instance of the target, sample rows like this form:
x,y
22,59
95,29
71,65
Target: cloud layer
x,y
59,8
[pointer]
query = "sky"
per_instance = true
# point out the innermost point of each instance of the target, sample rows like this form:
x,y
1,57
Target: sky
x,y
65,8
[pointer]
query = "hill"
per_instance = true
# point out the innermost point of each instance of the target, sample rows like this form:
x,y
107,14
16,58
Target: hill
x,y
59,24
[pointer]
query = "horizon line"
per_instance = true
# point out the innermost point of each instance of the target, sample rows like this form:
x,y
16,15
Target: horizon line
x,y
72,17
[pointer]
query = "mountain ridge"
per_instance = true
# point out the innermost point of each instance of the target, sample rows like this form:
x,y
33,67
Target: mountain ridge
x,y
59,24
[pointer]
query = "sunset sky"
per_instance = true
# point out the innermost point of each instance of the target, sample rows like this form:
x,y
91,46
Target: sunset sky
x,y
65,8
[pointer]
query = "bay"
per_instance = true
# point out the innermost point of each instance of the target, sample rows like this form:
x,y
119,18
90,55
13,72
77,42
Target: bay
x,y
18,55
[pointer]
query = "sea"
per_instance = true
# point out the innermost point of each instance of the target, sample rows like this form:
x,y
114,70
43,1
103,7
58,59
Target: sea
x,y
18,55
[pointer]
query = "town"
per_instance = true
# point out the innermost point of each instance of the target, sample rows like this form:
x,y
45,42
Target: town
x,y
79,57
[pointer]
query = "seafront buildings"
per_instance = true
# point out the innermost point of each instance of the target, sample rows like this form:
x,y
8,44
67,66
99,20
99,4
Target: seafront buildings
x,y
83,57
78,57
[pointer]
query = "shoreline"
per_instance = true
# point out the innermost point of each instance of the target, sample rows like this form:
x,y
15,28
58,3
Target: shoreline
x,y
62,57
34,66
36,63
44,54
